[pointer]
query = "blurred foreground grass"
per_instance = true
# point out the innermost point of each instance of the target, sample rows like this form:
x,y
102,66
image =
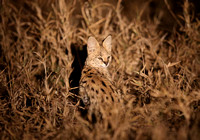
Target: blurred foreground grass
x,y
157,70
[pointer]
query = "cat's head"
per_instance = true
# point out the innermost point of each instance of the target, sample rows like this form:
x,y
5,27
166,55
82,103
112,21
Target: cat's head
x,y
99,56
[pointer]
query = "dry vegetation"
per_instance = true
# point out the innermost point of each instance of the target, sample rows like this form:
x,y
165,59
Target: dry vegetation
x,y
157,71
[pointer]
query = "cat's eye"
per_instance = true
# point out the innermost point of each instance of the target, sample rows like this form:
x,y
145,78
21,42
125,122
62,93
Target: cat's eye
x,y
100,58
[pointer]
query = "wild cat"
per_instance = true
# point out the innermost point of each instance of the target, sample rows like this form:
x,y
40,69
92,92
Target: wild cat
x,y
95,86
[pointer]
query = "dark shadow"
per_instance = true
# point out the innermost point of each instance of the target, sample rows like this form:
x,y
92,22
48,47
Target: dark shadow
x,y
80,55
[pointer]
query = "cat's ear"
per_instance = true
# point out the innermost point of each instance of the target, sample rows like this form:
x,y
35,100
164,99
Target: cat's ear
x,y
91,44
107,43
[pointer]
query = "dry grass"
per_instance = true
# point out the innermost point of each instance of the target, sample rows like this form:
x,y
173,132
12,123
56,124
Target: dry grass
x,y
157,71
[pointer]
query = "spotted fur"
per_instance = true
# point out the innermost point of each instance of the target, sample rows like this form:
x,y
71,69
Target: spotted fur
x,y
96,87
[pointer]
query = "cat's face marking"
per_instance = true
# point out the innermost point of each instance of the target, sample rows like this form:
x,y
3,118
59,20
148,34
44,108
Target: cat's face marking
x,y
99,56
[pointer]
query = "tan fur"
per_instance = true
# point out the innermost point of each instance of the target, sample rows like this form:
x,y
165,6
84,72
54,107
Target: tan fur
x,y
96,86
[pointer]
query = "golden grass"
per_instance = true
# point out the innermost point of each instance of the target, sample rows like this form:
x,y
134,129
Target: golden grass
x,y
158,72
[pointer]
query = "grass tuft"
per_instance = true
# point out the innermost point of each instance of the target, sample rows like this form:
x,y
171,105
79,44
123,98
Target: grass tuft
x,y
157,70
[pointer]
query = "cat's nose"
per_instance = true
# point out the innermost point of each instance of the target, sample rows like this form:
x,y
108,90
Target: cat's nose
x,y
105,62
